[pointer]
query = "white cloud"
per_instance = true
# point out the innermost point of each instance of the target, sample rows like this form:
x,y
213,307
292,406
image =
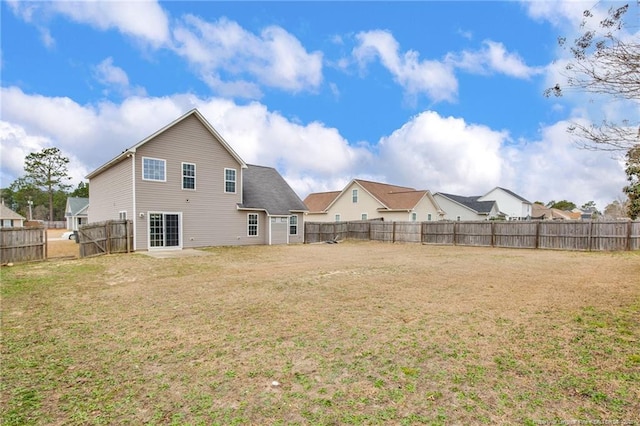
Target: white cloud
x,y
432,78
116,78
443,154
428,152
227,56
493,57
143,20
309,155
557,169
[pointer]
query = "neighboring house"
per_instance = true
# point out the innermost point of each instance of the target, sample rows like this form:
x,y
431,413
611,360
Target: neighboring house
x,y
9,218
458,207
184,186
76,212
513,206
540,212
364,200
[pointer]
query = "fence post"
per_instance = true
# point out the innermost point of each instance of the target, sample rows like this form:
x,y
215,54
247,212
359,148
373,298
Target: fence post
x,y
108,234
589,235
393,232
455,240
493,234
629,227
538,234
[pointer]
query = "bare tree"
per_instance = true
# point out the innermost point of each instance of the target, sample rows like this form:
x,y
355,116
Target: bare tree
x,y
604,63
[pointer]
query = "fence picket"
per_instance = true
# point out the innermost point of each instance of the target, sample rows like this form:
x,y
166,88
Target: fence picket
x,y
560,235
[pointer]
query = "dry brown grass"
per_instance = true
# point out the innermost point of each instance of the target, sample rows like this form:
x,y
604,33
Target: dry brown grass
x,y
60,248
354,333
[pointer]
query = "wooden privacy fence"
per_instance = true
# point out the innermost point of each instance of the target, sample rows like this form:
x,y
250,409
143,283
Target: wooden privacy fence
x,y
22,244
562,235
112,236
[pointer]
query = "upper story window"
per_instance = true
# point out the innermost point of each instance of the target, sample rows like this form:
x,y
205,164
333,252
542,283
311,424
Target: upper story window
x,y
252,224
364,216
293,225
429,217
188,176
354,195
154,169
230,181
414,216
337,217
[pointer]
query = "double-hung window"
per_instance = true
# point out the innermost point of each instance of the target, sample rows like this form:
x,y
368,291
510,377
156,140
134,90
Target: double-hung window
x,y
154,169
293,225
230,181
252,224
354,195
188,176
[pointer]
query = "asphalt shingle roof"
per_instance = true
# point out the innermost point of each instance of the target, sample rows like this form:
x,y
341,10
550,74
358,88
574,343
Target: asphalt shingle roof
x,y
471,202
77,204
264,188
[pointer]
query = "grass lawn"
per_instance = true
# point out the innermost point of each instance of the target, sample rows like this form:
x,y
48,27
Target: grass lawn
x,y
351,333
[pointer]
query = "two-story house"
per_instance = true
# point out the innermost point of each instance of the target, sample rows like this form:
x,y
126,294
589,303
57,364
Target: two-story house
x,y
184,186
365,200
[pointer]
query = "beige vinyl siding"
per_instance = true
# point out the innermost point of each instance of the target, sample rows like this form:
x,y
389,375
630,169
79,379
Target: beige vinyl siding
x,y
209,215
110,192
353,211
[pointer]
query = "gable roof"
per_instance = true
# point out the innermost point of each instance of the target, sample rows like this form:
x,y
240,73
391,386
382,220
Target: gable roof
x,y
263,188
7,213
77,206
391,197
472,203
508,192
538,211
194,112
318,202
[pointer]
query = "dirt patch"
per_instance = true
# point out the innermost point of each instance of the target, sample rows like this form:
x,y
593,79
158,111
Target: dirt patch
x,y
352,333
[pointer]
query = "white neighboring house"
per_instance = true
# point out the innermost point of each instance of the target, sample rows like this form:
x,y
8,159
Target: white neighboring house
x,y
513,206
9,218
458,207
76,212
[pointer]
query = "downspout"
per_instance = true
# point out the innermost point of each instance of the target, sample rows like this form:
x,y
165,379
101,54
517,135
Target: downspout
x,y
135,213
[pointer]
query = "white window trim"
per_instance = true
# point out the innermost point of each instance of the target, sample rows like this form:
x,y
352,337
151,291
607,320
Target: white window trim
x,y
414,217
180,242
122,213
183,176
296,225
364,216
354,195
257,225
338,217
164,162
235,181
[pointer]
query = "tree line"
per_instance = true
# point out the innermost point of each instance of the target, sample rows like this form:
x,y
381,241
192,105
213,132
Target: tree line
x,y
42,192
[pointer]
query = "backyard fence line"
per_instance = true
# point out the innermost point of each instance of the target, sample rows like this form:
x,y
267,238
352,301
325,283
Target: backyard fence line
x,y
22,245
560,235
112,236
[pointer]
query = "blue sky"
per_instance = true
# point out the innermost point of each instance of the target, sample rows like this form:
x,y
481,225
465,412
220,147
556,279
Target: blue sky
x,y
444,96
